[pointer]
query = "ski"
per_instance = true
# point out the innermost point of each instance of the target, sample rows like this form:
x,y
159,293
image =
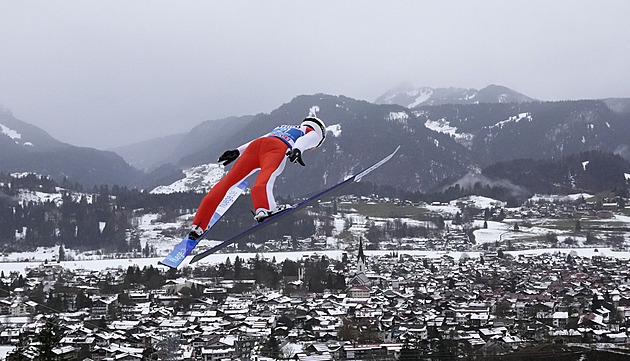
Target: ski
x,y
183,249
355,178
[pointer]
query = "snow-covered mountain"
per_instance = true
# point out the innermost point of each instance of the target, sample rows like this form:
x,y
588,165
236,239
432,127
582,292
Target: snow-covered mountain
x,y
27,148
537,130
359,133
14,132
203,177
411,96
440,143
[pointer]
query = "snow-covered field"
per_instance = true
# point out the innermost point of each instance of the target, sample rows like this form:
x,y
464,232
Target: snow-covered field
x,y
503,231
557,198
162,237
151,231
451,208
103,264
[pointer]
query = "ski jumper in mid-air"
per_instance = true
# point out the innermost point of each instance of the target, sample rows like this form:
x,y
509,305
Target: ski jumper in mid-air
x,y
267,154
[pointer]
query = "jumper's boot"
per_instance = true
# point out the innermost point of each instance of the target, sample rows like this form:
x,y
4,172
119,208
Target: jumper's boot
x,y
195,233
263,214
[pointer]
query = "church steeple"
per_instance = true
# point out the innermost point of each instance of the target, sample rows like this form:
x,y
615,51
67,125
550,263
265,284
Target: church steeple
x,y
361,278
361,257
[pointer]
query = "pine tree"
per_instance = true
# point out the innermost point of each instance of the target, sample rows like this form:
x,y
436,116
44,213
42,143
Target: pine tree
x,y
238,268
458,219
168,348
271,347
49,338
62,254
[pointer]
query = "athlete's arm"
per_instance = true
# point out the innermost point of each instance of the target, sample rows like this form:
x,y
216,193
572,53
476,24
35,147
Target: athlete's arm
x,y
308,141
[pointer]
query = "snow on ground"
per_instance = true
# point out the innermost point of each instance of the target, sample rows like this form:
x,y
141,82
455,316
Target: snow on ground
x,y
559,198
4,350
581,252
443,209
13,134
443,126
203,176
26,196
493,233
99,265
103,264
397,117
616,218
151,232
478,202
422,95
40,254
503,231
452,209
291,349
622,218
335,129
513,119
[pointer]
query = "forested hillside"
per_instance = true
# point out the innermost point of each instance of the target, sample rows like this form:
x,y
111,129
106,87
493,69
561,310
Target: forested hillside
x,y
36,211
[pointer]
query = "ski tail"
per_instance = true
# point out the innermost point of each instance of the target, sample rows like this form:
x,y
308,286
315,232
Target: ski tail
x,y
183,249
355,178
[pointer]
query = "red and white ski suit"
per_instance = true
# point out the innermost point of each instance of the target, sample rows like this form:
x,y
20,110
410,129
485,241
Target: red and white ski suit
x,y
267,154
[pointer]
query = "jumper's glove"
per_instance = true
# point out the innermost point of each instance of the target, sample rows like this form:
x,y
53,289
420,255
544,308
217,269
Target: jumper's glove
x,y
295,156
229,156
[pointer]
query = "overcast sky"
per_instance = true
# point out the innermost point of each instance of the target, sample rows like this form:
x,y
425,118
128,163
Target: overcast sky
x,y
109,73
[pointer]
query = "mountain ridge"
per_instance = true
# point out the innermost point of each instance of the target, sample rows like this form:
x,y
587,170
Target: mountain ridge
x,y
27,148
440,143
411,96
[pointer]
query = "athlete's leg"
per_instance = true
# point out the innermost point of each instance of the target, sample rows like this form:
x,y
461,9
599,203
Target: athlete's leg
x,y
272,162
245,165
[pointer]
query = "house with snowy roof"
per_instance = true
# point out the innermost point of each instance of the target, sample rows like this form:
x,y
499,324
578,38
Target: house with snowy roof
x,y
22,307
591,320
101,306
358,293
371,351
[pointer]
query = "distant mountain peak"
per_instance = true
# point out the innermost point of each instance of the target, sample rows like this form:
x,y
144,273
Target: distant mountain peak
x,y
410,96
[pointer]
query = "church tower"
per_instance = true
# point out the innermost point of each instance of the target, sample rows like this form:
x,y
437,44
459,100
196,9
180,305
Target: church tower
x,y
361,258
360,278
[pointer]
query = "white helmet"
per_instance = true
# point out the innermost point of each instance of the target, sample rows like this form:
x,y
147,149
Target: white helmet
x,y
318,126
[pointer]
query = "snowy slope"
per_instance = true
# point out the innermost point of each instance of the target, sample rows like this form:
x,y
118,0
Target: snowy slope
x,y
197,179
203,177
